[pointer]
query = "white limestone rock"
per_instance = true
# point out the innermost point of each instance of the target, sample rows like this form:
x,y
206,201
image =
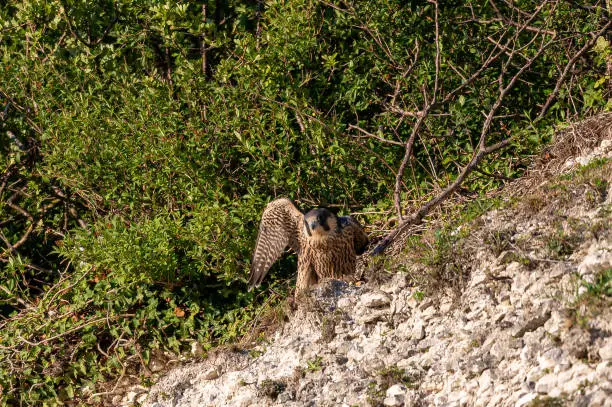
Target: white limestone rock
x,y
418,330
375,299
605,352
395,395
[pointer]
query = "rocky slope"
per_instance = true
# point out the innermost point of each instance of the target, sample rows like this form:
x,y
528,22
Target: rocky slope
x,y
530,325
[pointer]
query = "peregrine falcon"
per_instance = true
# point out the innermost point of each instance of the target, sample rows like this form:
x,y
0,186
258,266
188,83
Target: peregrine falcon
x,y
326,245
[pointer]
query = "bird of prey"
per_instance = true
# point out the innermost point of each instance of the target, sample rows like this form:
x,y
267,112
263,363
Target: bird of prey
x,y
326,245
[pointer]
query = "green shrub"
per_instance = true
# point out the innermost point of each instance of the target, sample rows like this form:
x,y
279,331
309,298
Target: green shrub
x,y
140,141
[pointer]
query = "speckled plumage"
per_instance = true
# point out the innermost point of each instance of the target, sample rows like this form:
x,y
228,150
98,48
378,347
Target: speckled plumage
x,y
327,246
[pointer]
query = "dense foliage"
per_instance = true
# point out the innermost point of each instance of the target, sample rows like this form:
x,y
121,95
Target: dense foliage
x,y
140,140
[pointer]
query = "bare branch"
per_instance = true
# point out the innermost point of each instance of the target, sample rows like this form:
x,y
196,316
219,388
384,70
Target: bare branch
x,y
6,242
407,72
5,177
75,329
407,153
14,246
553,96
371,135
438,56
22,110
13,296
203,49
513,23
418,216
19,209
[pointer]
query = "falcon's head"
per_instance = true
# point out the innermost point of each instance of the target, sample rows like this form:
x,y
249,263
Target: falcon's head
x,y
320,223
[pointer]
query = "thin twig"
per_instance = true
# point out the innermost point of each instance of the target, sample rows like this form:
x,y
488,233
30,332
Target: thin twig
x,y
18,243
368,134
13,296
69,331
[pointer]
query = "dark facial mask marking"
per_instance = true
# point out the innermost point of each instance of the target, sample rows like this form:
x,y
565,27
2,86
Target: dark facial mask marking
x,y
325,226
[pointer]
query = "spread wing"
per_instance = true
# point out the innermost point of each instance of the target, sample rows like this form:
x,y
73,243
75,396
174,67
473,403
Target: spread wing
x,y
280,227
360,239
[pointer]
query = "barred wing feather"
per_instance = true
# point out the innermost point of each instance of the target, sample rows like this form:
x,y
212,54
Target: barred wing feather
x,y
280,227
